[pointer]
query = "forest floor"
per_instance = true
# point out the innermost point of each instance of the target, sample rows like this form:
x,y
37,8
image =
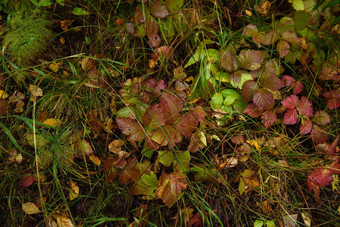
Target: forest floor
x,y
169,113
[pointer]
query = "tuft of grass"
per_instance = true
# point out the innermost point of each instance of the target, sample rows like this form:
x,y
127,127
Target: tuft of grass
x,y
27,37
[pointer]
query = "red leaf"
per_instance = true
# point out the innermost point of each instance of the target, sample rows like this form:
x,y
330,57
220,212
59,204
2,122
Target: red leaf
x,y
28,180
332,94
318,134
321,118
252,110
239,139
290,102
152,27
298,88
139,15
154,40
248,90
288,80
154,117
159,10
268,118
263,98
306,126
171,106
321,177
305,107
335,167
290,117
333,103
133,170
187,125
170,187
199,113
131,128
283,48
332,148
107,164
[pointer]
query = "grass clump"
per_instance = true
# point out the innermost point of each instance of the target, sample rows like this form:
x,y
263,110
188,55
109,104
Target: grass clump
x,y
27,37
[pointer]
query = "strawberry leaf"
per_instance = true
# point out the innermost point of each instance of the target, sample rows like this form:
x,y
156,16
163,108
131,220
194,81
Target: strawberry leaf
x,y
291,37
229,62
248,90
321,118
238,78
288,80
305,107
291,102
283,48
187,125
306,126
170,187
154,117
250,59
263,99
252,110
159,10
268,118
318,134
271,82
290,117
146,186
298,88
133,170
250,30
333,103
131,128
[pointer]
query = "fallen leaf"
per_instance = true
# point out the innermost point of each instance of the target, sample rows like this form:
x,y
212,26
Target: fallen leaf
x,y
95,160
53,122
35,91
74,190
30,208
306,218
3,94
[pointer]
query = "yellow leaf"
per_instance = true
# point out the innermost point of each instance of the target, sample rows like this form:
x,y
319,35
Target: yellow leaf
x,y
52,122
63,221
30,208
255,144
95,160
203,138
74,190
54,66
3,94
249,13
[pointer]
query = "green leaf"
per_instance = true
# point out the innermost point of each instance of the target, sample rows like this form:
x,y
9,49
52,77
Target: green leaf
x,y
213,55
79,11
61,2
258,223
216,101
174,5
146,186
182,162
41,3
230,96
297,4
270,223
166,157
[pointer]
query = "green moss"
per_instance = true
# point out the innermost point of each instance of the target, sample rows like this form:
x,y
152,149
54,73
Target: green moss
x,y
27,37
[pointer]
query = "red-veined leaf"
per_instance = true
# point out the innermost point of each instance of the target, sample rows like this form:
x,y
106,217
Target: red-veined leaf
x,y
298,88
290,117
305,107
250,59
318,134
332,149
288,80
283,48
271,82
229,62
263,98
131,128
154,117
170,187
306,126
268,118
291,37
248,90
252,110
291,102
